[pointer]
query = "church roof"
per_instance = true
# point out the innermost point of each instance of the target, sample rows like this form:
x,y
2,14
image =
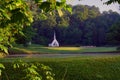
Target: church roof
x,y
54,42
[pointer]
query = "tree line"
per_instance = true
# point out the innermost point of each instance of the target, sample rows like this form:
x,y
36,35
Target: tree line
x,y
16,15
85,26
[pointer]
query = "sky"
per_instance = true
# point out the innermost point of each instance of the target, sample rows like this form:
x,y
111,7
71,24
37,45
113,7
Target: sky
x,y
97,3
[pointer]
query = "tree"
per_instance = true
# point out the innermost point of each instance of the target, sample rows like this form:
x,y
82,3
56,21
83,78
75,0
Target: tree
x,y
16,14
114,33
26,37
113,1
92,30
13,16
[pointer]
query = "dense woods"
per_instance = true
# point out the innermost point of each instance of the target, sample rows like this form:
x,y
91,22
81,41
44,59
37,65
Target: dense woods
x,y
85,26
35,21
78,28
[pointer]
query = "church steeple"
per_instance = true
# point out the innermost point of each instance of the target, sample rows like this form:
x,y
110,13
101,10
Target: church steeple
x,y
54,42
54,35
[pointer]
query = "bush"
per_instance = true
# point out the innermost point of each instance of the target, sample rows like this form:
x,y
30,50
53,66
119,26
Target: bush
x,y
20,70
69,68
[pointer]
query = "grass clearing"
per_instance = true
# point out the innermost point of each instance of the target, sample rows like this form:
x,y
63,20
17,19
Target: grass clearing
x,y
106,67
54,50
65,48
76,68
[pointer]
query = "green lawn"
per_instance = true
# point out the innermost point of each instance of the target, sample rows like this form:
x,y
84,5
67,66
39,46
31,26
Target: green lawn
x,y
106,67
41,49
74,68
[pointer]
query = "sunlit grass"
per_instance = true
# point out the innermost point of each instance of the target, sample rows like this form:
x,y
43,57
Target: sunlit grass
x,y
2,54
53,50
64,48
83,49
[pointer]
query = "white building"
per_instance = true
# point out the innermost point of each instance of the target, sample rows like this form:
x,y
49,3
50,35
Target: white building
x,y
54,42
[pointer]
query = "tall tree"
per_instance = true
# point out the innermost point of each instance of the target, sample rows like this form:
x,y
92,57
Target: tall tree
x,y
114,33
15,14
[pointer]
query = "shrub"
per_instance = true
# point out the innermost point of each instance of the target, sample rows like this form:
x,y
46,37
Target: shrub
x,y
20,70
90,68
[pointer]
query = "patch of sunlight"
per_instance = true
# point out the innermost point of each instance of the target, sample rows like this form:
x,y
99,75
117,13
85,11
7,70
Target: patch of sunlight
x,y
2,55
24,50
65,48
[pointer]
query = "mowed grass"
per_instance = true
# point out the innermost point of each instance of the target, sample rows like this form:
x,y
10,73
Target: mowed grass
x,y
75,68
106,67
52,50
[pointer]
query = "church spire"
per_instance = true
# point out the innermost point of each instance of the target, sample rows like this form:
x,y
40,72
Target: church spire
x,y
54,42
54,35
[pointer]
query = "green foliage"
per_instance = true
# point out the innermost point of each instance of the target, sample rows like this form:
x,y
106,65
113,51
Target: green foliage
x,y
49,6
113,34
5,39
74,68
13,16
113,1
25,36
17,14
30,71
27,71
1,68
85,26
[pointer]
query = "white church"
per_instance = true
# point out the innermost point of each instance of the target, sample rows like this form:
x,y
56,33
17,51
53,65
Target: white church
x,y
54,42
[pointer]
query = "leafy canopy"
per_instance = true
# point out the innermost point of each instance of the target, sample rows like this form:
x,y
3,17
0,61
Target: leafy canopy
x,y
113,1
16,14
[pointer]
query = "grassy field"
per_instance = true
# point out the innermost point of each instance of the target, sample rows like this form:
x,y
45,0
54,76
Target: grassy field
x,y
105,67
74,68
53,50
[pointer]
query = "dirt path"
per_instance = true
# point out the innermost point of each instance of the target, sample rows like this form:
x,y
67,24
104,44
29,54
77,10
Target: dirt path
x,y
62,55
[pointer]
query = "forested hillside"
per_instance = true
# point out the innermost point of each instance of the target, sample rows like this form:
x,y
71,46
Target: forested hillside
x,y
84,26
